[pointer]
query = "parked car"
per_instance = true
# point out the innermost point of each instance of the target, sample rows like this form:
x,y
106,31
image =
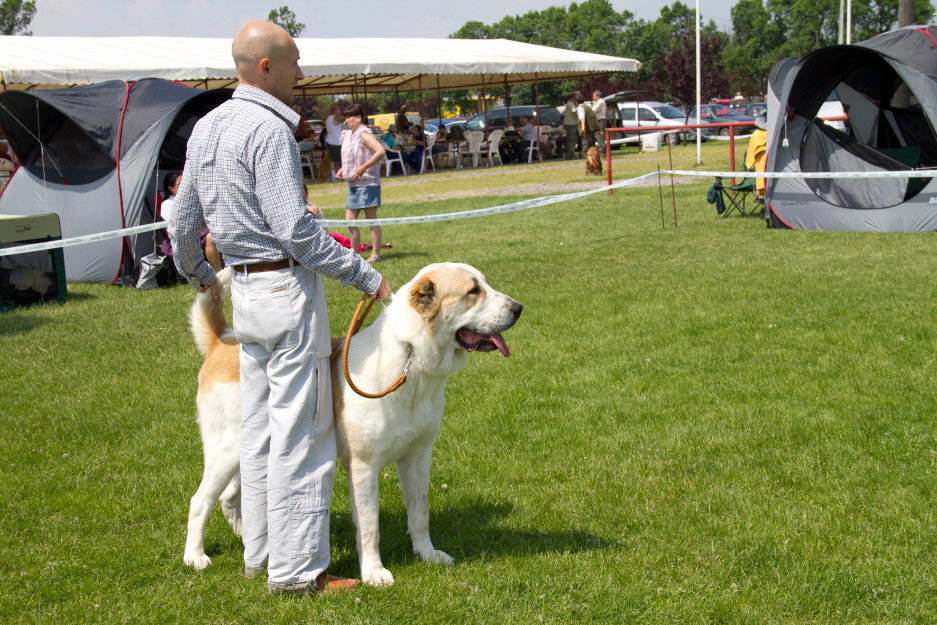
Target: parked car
x,y
717,113
755,109
656,116
498,117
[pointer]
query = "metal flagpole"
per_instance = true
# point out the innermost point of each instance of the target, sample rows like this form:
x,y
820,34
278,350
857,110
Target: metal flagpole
x,y
699,134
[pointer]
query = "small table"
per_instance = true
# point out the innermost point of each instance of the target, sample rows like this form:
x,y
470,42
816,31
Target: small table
x,y
452,148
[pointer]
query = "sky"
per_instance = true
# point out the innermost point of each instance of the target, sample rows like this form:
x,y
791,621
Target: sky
x,y
371,18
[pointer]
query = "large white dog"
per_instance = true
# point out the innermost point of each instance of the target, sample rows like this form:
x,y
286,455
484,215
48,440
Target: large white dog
x,y
433,320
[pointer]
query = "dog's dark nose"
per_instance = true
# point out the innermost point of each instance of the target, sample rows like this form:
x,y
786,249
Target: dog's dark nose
x,y
517,309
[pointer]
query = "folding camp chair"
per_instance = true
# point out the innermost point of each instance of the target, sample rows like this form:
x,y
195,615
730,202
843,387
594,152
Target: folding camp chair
x,y
729,198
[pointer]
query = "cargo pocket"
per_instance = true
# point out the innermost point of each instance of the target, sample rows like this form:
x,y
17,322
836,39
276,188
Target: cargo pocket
x,y
309,531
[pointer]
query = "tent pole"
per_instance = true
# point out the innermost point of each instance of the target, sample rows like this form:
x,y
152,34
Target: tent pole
x,y
485,108
438,99
537,116
364,82
422,108
507,96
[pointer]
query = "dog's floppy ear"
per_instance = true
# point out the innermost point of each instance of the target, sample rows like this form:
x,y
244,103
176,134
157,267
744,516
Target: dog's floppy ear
x,y
423,296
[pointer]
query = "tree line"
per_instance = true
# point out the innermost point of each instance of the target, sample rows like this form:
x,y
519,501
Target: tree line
x,y
763,32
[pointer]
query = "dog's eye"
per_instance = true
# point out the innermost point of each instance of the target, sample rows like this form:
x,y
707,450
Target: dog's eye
x,y
476,290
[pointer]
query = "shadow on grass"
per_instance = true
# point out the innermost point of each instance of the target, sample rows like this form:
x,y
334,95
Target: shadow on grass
x,y
12,324
467,533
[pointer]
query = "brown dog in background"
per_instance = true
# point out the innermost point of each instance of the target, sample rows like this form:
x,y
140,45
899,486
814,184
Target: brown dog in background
x,y
593,161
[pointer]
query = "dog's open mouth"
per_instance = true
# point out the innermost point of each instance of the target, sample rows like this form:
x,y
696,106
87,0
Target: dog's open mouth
x,y
473,341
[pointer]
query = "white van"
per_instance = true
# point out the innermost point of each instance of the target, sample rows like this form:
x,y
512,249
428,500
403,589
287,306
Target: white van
x,y
655,115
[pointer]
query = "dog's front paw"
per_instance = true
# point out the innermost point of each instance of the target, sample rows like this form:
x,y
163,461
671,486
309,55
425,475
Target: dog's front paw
x,y
378,577
196,562
434,556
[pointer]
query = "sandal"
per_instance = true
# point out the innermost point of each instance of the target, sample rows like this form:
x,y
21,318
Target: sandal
x,y
375,259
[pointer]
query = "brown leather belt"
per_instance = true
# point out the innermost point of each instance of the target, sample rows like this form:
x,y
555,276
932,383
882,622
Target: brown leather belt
x,y
263,266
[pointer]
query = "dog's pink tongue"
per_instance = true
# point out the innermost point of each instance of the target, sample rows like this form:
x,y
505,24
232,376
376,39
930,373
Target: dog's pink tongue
x,y
498,340
483,342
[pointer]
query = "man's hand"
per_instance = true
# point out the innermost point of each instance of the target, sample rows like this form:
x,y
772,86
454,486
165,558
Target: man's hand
x,y
382,291
215,291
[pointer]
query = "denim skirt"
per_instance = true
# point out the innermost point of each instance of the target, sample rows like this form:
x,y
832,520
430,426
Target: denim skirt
x,y
364,197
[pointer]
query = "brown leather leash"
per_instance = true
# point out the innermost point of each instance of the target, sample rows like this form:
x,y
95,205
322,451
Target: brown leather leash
x,y
353,328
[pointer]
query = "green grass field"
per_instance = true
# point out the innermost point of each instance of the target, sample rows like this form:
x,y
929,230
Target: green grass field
x,y
708,423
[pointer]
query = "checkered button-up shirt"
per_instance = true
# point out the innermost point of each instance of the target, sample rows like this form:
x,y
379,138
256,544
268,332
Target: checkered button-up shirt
x,y
243,179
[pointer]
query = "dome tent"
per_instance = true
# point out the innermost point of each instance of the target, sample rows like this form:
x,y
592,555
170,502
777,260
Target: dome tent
x,y
95,155
888,89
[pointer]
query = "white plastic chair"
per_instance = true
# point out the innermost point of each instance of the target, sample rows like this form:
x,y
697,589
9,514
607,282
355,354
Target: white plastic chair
x,y
493,146
308,163
392,156
473,147
428,151
535,147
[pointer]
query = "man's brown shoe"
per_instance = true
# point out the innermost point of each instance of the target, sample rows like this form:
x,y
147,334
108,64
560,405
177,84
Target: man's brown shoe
x,y
326,583
322,585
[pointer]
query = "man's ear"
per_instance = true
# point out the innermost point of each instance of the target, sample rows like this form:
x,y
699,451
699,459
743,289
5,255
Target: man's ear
x,y
423,296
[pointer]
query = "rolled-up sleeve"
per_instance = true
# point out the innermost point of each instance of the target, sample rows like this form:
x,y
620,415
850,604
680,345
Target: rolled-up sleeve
x,y
278,180
184,226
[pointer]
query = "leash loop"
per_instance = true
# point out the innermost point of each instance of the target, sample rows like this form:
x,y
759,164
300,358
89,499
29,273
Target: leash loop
x,y
353,328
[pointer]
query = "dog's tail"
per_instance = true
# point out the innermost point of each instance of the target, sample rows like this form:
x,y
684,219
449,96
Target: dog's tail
x,y
206,318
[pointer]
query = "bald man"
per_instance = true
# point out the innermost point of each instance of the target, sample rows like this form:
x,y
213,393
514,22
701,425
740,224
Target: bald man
x,y
243,178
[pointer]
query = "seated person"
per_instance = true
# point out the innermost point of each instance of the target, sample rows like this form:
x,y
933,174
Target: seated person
x,y
415,158
528,133
440,137
389,139
170,187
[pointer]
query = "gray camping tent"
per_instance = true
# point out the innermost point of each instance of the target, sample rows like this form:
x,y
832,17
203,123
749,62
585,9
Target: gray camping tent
x,y
888,88
94,155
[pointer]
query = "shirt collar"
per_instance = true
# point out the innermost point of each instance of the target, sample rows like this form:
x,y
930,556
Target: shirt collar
x,y
261,97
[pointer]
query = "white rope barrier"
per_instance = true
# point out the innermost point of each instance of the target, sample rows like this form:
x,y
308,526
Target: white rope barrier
x,y
495,210
917,173
341,223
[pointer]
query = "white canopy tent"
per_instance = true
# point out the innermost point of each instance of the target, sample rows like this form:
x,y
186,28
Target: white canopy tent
x,y
331,65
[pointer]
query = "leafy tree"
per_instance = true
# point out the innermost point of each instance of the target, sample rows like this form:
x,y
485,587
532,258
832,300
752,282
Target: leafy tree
x,y
287,20
674,77
15,16
751,51
590,26
764,32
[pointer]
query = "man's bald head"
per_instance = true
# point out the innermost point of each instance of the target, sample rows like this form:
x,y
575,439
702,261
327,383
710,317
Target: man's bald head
x,y
256,41
266,57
